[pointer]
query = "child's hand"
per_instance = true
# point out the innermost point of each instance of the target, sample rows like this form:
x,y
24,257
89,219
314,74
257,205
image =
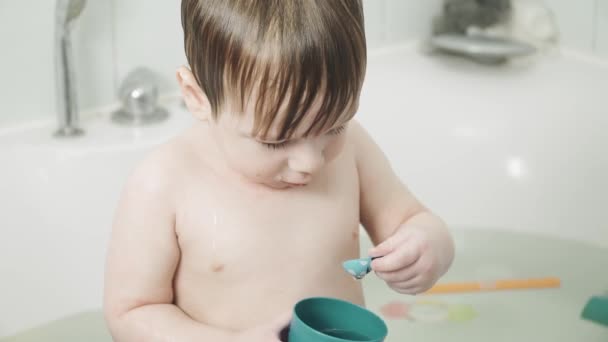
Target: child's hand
x,y
412,259
269,332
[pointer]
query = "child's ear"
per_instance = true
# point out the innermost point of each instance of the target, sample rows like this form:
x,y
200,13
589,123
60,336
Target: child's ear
x,y
194,97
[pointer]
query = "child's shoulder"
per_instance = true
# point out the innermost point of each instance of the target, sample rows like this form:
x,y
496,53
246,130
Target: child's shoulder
x,y
355,129
357,136
365,149
160,170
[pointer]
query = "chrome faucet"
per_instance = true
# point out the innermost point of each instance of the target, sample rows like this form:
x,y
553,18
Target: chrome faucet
x,y
67,109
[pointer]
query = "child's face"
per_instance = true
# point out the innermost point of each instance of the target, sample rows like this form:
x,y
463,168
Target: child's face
x,y
277,164
266,161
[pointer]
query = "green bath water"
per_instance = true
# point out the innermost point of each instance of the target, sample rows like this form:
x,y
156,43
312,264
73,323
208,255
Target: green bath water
x,y
82,327
551,315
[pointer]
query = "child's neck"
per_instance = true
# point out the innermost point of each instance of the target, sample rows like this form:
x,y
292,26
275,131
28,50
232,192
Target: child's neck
x,y
210,156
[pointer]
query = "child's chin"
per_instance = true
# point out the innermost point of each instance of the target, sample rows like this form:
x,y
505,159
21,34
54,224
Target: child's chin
x,y
274,185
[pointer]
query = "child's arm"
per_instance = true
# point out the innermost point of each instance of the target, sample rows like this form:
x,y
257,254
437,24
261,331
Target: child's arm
x,y
415,245
142,258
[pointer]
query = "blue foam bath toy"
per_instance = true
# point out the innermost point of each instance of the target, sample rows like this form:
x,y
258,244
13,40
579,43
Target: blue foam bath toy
x,y
596,310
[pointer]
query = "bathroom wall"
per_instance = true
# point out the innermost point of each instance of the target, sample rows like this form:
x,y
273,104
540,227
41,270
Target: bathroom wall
x,y
576,20
149,36
113,37
27,82
601,29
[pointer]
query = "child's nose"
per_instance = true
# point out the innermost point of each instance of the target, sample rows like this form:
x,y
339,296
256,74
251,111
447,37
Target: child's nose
x,y
307,159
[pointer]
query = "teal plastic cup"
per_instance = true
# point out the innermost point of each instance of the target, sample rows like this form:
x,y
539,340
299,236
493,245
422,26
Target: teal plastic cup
x,y
322,319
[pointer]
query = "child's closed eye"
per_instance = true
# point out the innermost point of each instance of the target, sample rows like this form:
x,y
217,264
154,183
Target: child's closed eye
x,y
337,130
279,145
276,146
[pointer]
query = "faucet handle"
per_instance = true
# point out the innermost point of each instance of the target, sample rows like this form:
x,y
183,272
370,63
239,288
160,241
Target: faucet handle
x,y
139,96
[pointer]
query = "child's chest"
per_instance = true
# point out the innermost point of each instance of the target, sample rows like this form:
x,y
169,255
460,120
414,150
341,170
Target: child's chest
x,y
224,232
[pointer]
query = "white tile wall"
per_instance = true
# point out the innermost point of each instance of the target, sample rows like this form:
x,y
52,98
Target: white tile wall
x,y
149,34
94,54
26,60
391,21
376,25
410,18
113,37
575,22
27,83
601,28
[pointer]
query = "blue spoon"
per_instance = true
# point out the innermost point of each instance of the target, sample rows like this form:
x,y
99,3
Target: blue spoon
x,y
358,268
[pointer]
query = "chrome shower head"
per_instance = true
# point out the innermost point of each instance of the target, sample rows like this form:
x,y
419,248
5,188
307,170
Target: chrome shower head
x,y
65,13
68,10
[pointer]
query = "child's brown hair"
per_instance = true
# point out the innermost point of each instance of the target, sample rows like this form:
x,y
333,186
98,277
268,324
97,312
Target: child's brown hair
x,y
290,52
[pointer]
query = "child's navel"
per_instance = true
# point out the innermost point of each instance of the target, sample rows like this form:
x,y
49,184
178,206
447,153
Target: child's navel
x,y
355,235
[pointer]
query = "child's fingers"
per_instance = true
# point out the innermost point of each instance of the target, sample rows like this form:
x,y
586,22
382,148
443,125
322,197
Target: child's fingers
x,y
411,286
389,245
384,248
401,257
401,275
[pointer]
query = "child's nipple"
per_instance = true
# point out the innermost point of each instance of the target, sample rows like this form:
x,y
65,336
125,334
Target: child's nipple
x,y
217,267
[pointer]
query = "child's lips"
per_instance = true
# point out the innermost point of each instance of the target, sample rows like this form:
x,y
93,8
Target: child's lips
x,y
298,181
294,182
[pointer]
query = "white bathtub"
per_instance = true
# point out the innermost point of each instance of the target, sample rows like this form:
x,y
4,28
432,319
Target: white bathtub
x,y
520,148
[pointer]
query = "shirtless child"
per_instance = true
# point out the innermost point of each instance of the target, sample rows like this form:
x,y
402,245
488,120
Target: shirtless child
x,y
223,229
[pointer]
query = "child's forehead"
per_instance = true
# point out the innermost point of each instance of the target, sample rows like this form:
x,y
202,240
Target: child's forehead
x,y
271,132
279,110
